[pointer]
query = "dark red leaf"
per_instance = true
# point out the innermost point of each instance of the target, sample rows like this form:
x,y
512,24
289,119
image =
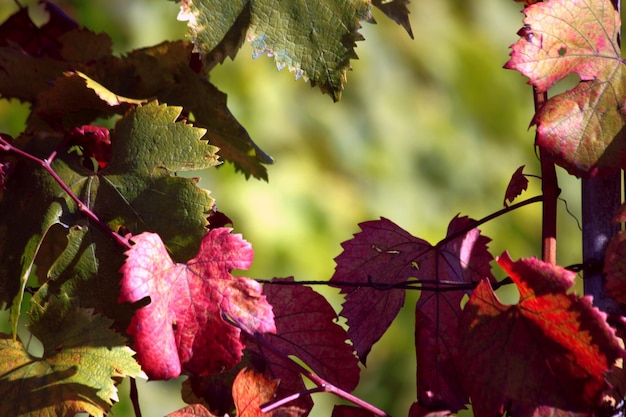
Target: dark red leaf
x,y
350,411
517,185
95,142
20,30
182,327
397,11
551,349
418,411
463,259
376,260
306,328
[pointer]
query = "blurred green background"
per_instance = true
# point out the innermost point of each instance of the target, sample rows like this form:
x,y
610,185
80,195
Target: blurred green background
x,y
427,128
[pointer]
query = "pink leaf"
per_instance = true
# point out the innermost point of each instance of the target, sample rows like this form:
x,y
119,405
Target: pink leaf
x,y
580,129
182,328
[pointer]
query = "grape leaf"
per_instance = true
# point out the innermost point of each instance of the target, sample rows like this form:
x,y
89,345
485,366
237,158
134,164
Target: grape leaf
x,y
397,11
76,373
31,56
551,349
517,185
164,71
377,258
581,129
182,328
315,40
306,328
384,256
462,258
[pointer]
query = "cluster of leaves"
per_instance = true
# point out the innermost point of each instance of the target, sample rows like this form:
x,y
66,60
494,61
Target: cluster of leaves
x,y
99,237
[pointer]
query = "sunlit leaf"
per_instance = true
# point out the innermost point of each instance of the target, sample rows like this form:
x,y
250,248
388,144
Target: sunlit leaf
x,y
581,129
76,372
315,40
183,327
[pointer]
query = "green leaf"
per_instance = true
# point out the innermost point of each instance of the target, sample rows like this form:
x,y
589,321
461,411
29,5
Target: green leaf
x,y
314,39
76,372
138,191
163,72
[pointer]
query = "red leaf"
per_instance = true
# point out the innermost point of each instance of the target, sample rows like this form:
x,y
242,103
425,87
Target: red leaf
x,y
517,185
464,259
381,256
95,142
580,129
182,327
551,349
306,328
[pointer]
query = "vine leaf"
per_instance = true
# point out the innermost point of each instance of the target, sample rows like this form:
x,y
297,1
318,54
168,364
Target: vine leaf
x,y
306,328
182,328
551,349
315,40
464,259
397,11
378,261
165,71
378,258
34,62
581,129
81,358
517,185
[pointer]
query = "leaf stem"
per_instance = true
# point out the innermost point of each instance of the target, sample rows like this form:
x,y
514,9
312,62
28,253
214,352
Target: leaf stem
x,y
46,164
134,397
488,218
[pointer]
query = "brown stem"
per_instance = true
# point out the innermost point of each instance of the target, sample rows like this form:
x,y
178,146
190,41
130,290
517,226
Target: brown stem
x,y
551,191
